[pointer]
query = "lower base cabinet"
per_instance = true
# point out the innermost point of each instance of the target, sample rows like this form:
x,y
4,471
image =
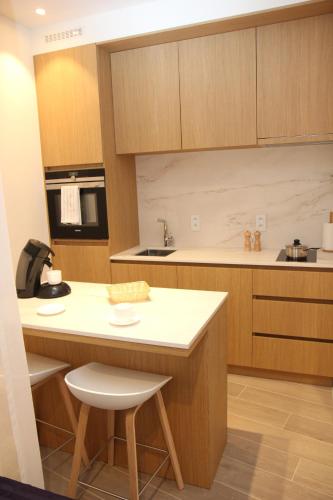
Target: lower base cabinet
x,y
293,356
157,275
238,283
83,262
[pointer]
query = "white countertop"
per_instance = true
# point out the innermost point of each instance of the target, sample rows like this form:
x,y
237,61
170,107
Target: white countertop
x,y
231,256
171,318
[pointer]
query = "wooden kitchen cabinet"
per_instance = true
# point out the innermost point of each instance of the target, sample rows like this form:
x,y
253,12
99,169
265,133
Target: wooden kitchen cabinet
x,y
299,284
158,275
69,106
293,356
145,85
295,73
238,282
293,321
218,90
83,262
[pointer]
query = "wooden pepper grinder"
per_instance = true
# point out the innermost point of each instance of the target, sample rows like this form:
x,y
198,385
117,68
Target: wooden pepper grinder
x,y
247,241
257,241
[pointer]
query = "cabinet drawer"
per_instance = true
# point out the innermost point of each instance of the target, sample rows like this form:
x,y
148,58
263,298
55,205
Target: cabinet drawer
x,y
295,319
300,284
293,356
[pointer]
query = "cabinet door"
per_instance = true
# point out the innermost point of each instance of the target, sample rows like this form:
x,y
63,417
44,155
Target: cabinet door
x,y
83,262
145,84
238,282
155,274
68,104
295,73
218,90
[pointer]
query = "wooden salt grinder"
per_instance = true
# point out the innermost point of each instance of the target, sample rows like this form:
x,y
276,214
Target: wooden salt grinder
x,y
257,241
247,241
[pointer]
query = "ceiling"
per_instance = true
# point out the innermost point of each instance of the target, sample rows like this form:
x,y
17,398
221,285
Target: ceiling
x,y
23,11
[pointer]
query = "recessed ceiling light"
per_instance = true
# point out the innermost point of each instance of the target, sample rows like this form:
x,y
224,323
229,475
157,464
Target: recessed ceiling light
x,y
40,11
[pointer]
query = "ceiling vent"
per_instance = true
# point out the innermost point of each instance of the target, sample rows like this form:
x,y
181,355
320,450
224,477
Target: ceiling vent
x,y
63,35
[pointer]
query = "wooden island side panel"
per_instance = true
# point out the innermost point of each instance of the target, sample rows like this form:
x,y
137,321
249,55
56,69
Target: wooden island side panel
x,y
195,399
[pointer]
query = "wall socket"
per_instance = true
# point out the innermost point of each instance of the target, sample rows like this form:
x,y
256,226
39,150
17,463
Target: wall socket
x,y
261,222
195,222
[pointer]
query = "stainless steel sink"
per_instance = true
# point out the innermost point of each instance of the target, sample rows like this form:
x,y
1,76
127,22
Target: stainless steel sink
x,y
153,252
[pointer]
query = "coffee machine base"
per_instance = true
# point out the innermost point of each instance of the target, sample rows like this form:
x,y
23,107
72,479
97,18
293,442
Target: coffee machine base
x,y
47,291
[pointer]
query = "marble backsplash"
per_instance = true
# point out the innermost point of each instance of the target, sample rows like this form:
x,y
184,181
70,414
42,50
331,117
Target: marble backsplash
x,y
292,185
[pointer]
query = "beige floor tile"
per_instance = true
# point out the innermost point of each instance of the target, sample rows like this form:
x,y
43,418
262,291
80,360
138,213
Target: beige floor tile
x,y
258,455
281,439
315,394
235,389
218,491
262,484
316,476
257,412
310,427
288,403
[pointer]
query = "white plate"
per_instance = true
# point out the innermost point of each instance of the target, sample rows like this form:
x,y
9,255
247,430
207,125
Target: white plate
x,y
118,322
51,309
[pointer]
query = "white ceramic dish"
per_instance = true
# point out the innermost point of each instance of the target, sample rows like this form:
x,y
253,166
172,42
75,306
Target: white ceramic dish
x,y
124,322
50,309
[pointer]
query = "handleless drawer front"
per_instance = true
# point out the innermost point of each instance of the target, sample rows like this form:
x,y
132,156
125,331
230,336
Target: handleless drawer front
x,y
293,356
293,319
299,284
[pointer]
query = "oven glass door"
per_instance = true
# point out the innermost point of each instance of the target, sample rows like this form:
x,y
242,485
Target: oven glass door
x,y
93,213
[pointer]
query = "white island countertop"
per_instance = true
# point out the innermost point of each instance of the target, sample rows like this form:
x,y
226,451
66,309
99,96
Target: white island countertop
x,y
170,318
224,256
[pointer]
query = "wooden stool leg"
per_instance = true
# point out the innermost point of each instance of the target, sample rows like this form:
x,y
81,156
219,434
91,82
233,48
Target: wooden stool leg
x,y
163,416
78,451
131,453
110,430
70,411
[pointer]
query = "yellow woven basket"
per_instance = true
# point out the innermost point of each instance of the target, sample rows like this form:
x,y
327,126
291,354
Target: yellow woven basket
x,y
128,292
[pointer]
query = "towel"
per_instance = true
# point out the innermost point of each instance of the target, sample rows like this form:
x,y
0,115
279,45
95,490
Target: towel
x,y
70,205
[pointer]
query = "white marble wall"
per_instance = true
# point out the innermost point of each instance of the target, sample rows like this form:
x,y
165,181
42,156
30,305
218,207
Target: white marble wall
x,y
292,185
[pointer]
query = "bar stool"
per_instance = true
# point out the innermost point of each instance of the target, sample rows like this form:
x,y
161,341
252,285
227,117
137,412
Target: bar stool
x,y
41,370
111,388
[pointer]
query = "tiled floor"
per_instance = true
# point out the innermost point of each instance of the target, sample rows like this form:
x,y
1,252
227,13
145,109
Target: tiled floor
x,y
280,447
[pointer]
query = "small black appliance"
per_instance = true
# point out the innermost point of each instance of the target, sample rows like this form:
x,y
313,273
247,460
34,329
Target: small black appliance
x,y
33,257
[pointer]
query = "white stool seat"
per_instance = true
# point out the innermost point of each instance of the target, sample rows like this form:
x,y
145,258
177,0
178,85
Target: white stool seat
x,y
112,388
40,367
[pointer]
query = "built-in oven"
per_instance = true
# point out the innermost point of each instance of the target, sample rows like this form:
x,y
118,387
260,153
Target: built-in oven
x,y
90,202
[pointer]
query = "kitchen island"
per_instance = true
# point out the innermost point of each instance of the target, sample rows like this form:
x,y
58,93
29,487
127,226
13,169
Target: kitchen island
x,y
181,333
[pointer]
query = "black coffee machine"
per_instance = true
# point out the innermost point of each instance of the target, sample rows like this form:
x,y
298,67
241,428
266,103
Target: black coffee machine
x,y
33,257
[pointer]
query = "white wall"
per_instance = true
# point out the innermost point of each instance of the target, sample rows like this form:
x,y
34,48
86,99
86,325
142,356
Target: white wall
x,y
292,185
146,17
20,157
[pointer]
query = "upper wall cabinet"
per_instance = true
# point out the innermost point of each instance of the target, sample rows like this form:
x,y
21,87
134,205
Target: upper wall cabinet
x,y
145,85
295,74
218,90
68,103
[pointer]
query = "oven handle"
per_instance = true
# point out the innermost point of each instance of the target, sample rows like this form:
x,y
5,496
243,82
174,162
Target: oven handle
x,y
82,185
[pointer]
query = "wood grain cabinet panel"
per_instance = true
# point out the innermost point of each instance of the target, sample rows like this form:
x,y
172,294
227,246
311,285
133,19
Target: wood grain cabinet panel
x,y
238,282
86,262
155,274
68,105
218,90
298,284
295,73
296,319
293,356
145,84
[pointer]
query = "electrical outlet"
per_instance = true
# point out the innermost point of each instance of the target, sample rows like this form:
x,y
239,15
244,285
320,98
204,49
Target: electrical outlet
x,y
195,222
261,222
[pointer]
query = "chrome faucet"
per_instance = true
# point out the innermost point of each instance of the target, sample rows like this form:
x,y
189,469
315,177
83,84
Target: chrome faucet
x,y
168,239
